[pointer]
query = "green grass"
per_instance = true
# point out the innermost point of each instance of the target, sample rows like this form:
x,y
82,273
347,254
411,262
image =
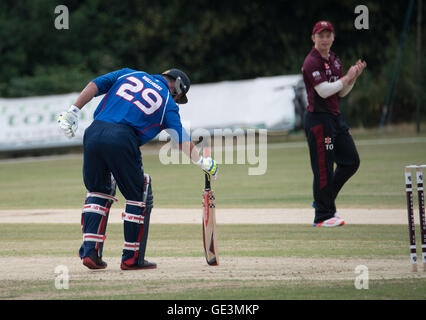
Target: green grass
x,y
395,289
411,289
366,242
287,182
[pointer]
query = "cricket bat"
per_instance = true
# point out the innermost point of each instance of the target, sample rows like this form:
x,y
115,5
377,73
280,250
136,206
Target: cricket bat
x,y
209,219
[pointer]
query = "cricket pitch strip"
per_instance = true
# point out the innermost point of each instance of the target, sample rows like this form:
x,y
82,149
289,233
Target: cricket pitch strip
x,y
179,273
223,216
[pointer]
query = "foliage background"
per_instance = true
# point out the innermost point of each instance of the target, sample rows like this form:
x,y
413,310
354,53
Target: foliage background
x,y
211,41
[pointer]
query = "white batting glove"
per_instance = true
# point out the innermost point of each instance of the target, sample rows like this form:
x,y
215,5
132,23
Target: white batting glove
x,y
68,121
208,165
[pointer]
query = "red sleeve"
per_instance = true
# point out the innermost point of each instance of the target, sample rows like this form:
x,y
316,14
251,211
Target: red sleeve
x,y
313,71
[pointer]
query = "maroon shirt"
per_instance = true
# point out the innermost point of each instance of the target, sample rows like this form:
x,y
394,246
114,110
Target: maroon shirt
x,y
315,70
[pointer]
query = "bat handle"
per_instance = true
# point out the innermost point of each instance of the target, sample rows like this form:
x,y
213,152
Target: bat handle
x,y
206,153
207,181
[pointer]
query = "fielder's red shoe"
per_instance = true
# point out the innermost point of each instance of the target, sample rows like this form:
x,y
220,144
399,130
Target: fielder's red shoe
x,y
146,265
94,262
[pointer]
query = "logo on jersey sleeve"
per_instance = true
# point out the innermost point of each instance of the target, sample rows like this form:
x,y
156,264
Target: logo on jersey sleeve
x,y
316,75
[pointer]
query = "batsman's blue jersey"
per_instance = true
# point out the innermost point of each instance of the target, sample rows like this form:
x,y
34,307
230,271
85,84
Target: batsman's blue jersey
x,y
141,101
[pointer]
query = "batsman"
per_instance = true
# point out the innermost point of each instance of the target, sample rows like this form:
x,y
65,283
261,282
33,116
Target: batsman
x,y
135,108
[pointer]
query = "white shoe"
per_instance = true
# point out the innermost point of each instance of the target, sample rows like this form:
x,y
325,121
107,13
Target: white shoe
x,y
335,214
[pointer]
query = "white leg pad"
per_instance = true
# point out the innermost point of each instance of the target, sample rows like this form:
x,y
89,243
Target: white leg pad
x,y
95,208
132,218
132,246
93,237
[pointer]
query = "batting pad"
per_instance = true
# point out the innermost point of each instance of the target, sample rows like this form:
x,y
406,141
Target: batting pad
x,y
136,225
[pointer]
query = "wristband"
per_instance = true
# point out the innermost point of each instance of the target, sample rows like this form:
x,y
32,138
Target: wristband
x,y
74,109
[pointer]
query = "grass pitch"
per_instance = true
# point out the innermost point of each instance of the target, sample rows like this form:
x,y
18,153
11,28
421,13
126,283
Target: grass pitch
x,y
257,261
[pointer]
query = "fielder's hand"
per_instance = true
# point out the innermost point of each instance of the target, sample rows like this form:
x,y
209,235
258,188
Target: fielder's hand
x,y
68,121
208,165
360,66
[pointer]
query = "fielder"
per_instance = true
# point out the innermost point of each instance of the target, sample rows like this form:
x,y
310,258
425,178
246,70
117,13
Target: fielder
x,y
135,108
327,133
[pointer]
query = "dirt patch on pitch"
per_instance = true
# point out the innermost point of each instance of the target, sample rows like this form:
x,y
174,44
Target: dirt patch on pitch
x,y
36,277
44,268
